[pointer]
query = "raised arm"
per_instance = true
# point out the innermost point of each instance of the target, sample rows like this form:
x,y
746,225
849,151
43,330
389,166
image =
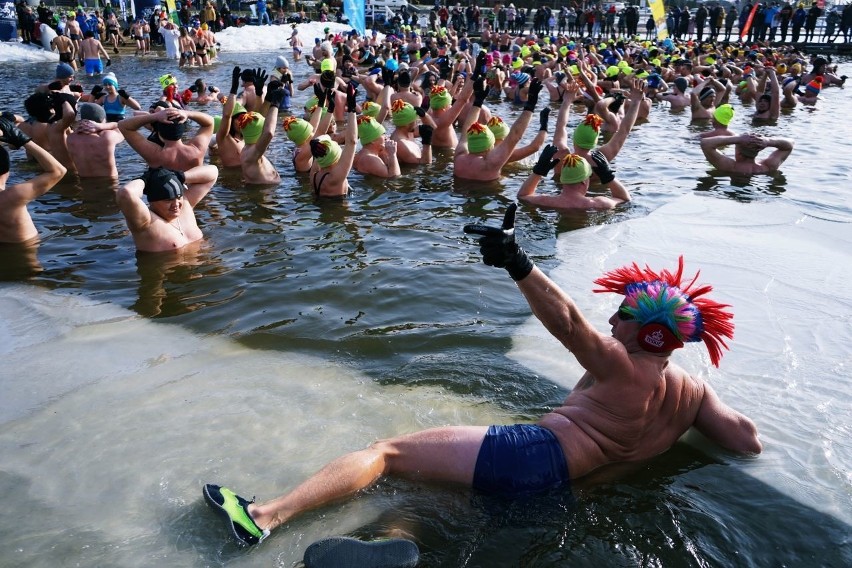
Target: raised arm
x,y
637,93
129,127
129,199
560,135
24,192
602,355
775,93
783,148
710,147
199,181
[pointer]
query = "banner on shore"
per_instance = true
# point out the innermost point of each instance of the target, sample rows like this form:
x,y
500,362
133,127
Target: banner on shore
x,y
354,10
658,10
173,14
747,26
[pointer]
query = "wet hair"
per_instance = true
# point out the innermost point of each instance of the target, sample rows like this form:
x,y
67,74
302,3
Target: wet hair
x,y
40,106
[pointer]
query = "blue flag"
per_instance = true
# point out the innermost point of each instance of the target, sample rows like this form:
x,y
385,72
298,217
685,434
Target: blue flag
x,y
354,10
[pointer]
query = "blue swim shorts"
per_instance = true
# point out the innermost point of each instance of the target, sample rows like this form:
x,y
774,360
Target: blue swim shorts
x,y
520,459
94,66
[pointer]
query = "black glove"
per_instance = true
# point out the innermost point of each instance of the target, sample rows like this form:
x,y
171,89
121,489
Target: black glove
x,y
211,89
479,66
123,94
426,132
532,95
498,246
10,116
546,161
387,76
76,88
479,92
12,135
109,62
259,80
97,91
420,111
320,94
350,98
542,118
600,165
192,88
331,100
274,97
235,80
274,84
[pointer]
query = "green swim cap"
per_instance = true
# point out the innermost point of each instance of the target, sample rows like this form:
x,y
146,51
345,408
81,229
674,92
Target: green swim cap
x,y
587,132
498,128
479,138
574,169
724,114
369,108
402,113
251,126
297,130
369,130
325,151
439,98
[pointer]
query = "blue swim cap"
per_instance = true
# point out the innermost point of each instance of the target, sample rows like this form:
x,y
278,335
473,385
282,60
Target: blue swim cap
x,y
392,65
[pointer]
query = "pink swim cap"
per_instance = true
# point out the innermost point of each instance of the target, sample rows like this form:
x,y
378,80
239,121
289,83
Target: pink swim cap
x,y
507,59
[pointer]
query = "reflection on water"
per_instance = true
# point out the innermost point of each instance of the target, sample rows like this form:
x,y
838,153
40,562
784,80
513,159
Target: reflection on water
x,y
19,262
743,188
386,285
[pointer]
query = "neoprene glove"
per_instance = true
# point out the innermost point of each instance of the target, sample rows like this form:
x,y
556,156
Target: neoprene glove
x,y
320,94
387,76
109,62
97,91
498,246
532,95
546,161
542,118
350,98
479,92
479,66
12,135
331,100
123,94
235,80
426,132
420,111
600,165
259,80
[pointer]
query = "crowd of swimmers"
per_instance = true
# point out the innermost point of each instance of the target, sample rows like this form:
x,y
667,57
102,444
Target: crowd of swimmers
x,y
379,105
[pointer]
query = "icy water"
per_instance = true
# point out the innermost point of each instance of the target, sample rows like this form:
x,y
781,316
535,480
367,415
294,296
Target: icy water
x,y
300,330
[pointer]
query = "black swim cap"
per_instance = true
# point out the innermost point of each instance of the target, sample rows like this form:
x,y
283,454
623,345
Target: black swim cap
x,y
163,184
327,79
170,130
4,161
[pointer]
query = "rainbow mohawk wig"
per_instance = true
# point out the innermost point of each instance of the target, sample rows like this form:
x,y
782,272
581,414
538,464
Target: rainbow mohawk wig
x,y
663,299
